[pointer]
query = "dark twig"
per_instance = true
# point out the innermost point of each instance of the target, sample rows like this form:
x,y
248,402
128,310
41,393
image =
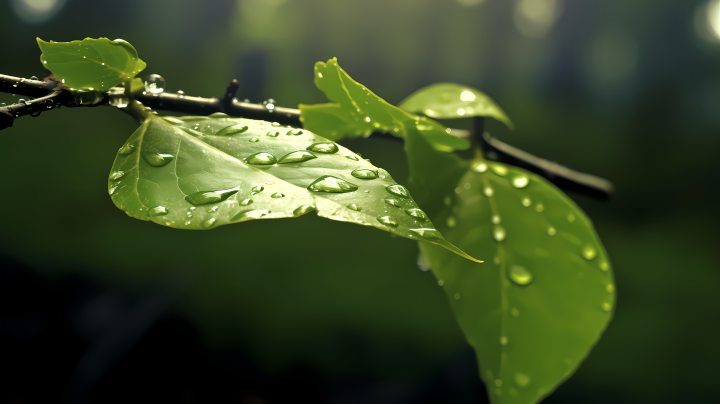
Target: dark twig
x,y
227,99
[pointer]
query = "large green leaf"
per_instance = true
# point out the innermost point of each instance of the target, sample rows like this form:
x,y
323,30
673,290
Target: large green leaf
x,y
204,172
91,64
532,313
358,111
450,100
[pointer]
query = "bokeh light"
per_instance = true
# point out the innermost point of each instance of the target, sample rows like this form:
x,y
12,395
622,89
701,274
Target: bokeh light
x,y
36,11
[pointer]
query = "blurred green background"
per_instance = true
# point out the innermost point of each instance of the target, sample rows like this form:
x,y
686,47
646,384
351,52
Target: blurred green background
x,y
627,90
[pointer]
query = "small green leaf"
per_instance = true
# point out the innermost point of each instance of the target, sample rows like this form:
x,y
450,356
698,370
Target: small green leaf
x,y
198,173
535,309
91,64
358,111
449,100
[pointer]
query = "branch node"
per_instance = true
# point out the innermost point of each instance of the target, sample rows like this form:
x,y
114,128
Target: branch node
x,y
230,92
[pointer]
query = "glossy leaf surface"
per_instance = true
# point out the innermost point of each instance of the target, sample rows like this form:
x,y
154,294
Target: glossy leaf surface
x,y
535,309
91,64
450,100
358,111
204,172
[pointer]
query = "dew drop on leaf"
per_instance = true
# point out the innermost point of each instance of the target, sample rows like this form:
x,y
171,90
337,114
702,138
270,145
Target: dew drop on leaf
x,y
589,252
499,170
275,124
154,84
325,147
607,306
480,167
294,132
417,213
488,191
331,184
499,233
392,202
551,231
246,202
301,210
428,233
296,157
116,175
157,159
218,115
126,150
496,219
251,214
539,207
158,211
522,379
232,129
353,158
387,220
205,197
364,174
520,182
209,223
261,159
254,139
519,275
273,133
526,202
277,195
398,190
213,209
355,207
257,189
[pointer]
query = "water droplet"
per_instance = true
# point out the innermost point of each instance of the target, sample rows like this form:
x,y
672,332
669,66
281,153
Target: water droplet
x,y
428,233
232,130
297,157
205,197
246,202
119,102
213,209
364,173
251,214
387,220
607,306
526,202
192,208
295,132
520,182
521,379
499,233
571,218
189,214
261,159
488,191
154,84
441,282
393,202
457,296
417,213
328,183
218,115
257,189
209,223
515,312
116,175
188,223
157,159
353,158
610,288
551,231
451,222
275,124
503,340
273,133
496,219
299,211
604,266
127,150
499,169
480,167
324,147
355,207
254,139
398,190
519,275
589,252
277,195
158,211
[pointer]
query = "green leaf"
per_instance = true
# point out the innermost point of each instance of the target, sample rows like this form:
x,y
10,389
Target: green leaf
x,y
91,64
358,111
536,309
204,172
449,100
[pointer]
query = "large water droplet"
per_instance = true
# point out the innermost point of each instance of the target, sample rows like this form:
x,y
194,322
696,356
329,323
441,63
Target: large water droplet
x,y
294,132
480,167
154,84
417,213
297,157
387,220
364,174
276,124
499,233
218,115
589,252
254,139
251,214
116,175
326,147
451,222
158,211
213,209
262,159
355,207
209,223
299,211
126,150
398,190
205,197
328,183
526,202
246,202
499,169
273,133
353,158
277,195
157,159
232,129
520,182
522,379
393,202
519,275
